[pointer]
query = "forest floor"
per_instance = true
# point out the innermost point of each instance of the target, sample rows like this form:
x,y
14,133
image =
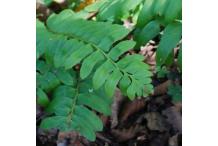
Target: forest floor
x,y
147,121
151,121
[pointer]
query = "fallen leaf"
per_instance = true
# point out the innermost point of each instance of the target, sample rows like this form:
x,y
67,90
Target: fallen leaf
x,y
162,88
158,103
150,55
104,119
173,141
84,4
131,107
71,139
46,137
102,137
126,134
156,122
146,49
159,139
116,108
128,24
151,59
174,117
42,11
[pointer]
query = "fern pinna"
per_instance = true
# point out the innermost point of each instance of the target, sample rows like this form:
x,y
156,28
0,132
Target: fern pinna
x,y
157,16
100,51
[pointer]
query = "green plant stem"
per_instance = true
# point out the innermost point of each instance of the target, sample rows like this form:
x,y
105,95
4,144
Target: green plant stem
x,y
74,102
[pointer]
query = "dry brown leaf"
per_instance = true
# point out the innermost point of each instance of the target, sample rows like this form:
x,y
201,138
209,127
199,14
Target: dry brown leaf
x,y
42,11
150,55
62,136
173,141
155,121
128,24
116,108
176,50
131,108
126,134
159,139
174,117
74,137
104,119
162,88
178,106
102,137
84,4
146,49
46,136
91,15
151,60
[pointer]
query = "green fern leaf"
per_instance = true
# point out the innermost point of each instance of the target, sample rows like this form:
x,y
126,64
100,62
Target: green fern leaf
x,y
112,82
94,48
173,10
54,122
102,74
171,37
47,81
103,38
65,77
164,11
49,77
124,84
99,53
160,7
154,15
89,63
47,2
132,89
147,33
42,67
94,102
65,91
77,56
120,49
42,36
42,98
114,10
71,113
175,91
146,14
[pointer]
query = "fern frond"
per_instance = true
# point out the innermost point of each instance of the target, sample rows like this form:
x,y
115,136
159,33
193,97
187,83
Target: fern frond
x,y
146,13
92,43
42,36
148,32
48,77
114,10
47,81
71,108
80,63
171,37
154,15
165,11
42,98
